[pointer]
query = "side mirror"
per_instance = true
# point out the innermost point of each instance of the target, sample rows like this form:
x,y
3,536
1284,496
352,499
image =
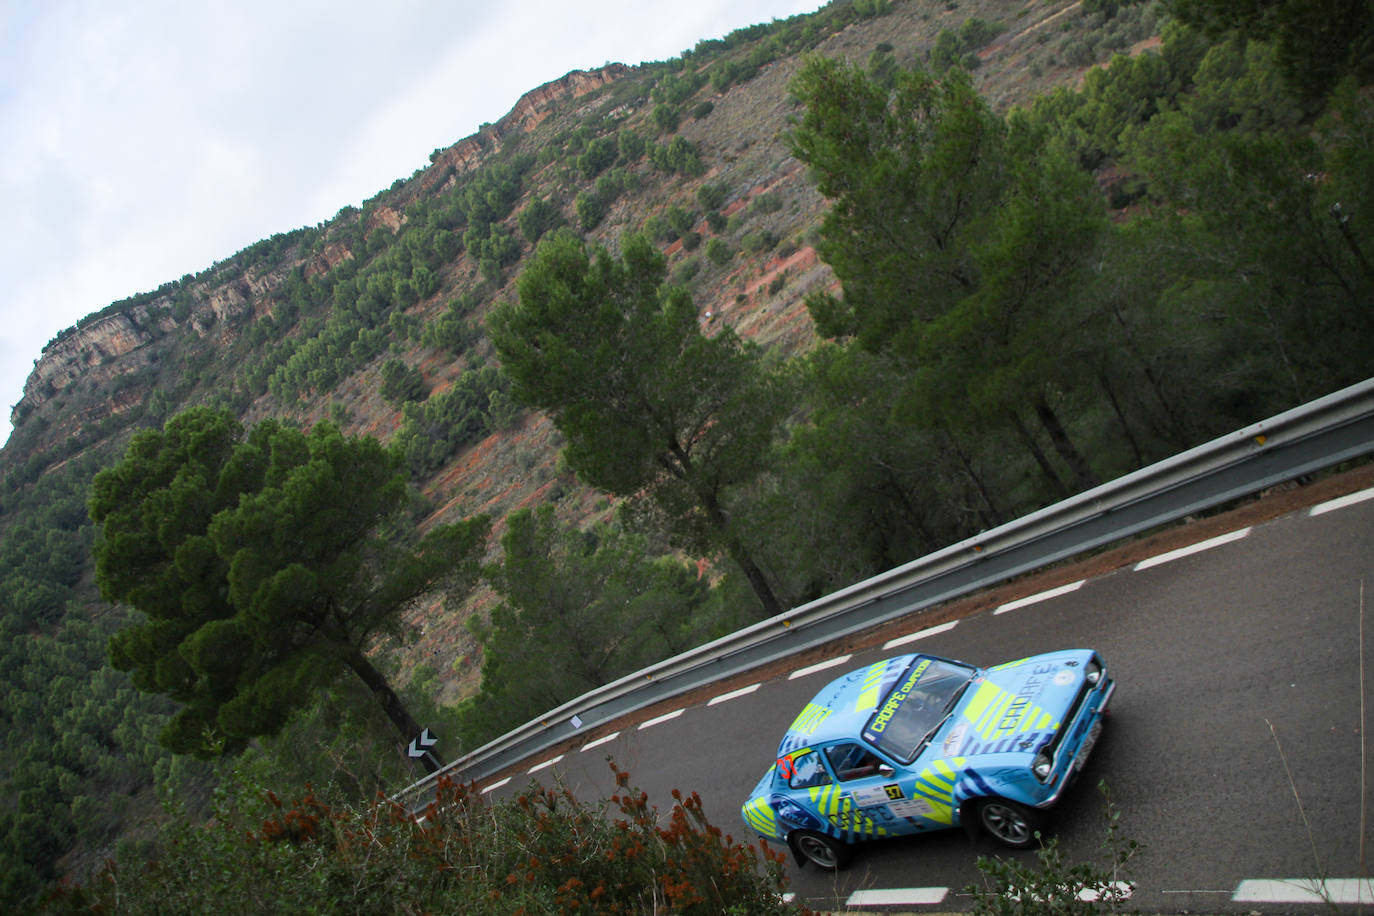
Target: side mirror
x,y
886,771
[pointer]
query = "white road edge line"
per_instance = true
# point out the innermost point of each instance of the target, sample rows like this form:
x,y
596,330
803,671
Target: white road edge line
x,y
734,694
920,634
663,718
1192,549
1042,596
1305,890
545,765
1341,502
1122,891
604,739
898,896
812,669
496,785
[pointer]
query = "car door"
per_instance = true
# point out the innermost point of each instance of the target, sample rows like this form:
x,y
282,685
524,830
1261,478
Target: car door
x,y
877,798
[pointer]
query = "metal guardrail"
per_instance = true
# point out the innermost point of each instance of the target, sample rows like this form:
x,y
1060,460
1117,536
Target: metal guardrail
x,y
1308,438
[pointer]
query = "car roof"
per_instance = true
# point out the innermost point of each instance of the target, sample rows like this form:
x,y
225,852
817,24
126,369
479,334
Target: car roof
x,y
842,707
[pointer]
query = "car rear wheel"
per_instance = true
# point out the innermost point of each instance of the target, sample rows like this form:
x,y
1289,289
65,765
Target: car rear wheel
x,y
1007,822
820,850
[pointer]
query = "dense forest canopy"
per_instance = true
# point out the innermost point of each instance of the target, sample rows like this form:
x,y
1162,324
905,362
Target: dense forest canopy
x,y
715,337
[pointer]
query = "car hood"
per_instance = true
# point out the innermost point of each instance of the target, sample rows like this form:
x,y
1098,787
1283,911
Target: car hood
x,y
1017,707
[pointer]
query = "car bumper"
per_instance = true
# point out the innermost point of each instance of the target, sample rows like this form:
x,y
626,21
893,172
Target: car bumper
x,y
1086,729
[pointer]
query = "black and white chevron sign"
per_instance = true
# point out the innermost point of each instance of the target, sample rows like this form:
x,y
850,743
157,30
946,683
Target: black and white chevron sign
x,y
420,745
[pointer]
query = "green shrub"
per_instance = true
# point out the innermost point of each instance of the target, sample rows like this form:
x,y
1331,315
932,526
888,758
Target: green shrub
x,y
686,271
719,252
765,203
590,210
401,383
665,118
712,196
630,145
758,242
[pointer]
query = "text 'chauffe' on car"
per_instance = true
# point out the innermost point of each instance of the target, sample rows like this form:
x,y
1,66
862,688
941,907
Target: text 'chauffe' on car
x,y
918,743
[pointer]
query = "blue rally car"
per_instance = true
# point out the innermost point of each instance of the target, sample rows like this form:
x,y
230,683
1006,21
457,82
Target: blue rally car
x,y
918,743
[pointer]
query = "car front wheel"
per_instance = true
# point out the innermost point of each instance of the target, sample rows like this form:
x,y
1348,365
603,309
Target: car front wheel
x,y
1007,822
820,850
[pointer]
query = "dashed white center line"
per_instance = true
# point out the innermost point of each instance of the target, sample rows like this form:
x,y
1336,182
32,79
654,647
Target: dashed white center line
x,y
1192,549
1341,502
734,694
1336,891
545,765
659,720
920,634
898,896
604,739
496,785
812,669
1042,596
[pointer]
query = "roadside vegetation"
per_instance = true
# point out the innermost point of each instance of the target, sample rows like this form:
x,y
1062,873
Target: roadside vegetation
x,y
1019,304
541,852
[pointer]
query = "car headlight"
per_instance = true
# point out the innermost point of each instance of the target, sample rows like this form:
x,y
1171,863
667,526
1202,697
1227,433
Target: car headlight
x,y
1093,673
1043,766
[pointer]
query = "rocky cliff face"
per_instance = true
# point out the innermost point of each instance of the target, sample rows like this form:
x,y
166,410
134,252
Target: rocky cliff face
x,y
94,352
107,364
118,346
535,105
533,108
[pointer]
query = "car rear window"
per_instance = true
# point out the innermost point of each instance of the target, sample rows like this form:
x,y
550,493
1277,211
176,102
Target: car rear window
x,y
916,705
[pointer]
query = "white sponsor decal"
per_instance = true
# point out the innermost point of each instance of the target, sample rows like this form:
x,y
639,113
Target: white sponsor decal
x,y
869,796
911,807
954,740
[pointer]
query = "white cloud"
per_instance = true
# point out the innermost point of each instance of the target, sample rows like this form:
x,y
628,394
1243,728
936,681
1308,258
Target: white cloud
x,y
146,139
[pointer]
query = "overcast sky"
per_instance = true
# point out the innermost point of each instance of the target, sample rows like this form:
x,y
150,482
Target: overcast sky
x,y
141,140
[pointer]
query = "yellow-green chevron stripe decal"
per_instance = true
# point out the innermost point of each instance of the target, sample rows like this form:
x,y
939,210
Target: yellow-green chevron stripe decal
x,y
759,815
834,805
872,687
936,785
809,719
998,713
981,700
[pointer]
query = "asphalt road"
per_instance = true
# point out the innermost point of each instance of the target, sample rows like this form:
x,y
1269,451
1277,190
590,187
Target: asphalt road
x,y
1233,751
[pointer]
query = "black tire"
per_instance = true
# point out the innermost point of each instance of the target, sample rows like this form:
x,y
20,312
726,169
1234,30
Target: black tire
x,y
820,850
1008,823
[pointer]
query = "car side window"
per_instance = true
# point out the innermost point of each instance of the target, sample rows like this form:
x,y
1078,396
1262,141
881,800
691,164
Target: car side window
x,y
852,761
808,772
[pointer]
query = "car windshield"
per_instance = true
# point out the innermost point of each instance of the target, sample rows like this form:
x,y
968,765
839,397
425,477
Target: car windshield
x,y
919,702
